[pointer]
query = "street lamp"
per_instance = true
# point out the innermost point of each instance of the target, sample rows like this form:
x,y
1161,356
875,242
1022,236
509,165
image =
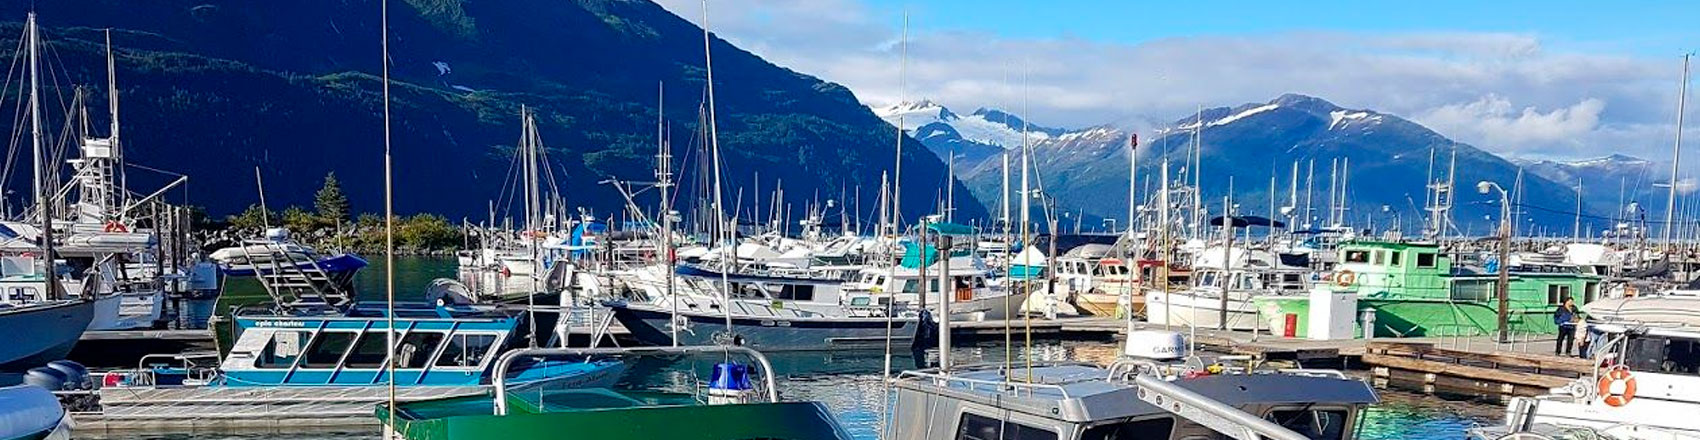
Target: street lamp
x,y
1504,285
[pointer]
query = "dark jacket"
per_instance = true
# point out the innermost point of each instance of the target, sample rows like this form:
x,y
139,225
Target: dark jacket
x,y
1564,315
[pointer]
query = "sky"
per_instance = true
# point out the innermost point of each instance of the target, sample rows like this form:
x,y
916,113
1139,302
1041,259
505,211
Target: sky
x,y
1526,79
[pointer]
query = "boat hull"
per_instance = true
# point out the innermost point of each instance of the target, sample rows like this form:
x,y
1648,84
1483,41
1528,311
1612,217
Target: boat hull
x,y
653,326
52,331
787,420
1204,311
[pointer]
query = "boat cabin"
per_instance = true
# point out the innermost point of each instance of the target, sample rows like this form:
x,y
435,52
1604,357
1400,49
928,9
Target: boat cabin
x,y
435,346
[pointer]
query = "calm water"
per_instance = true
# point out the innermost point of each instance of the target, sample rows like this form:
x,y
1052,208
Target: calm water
x,y
850,383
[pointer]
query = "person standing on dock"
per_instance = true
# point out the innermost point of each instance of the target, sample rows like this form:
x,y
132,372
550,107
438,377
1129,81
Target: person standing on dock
x,y
1566,318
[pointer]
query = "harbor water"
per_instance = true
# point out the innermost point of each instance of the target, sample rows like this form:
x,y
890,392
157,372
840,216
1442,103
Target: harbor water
x,y
850,383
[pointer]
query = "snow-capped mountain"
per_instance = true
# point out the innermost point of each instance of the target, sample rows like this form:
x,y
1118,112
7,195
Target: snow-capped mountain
x,y
1243,146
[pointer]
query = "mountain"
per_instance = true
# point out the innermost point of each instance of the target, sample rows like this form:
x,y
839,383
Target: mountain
x,y
1245,146
213,89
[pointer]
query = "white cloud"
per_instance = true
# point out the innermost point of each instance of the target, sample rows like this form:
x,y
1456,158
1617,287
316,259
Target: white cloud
x,y
1494,120
1506,92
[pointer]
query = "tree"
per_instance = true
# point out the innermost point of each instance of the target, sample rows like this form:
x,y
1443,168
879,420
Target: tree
x,y
427,232
330,203
253,218
299,221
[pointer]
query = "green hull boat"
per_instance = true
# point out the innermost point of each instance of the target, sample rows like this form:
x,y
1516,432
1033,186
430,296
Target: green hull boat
x,y
617,414
1415,291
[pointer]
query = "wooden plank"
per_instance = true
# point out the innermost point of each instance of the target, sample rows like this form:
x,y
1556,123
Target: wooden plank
x,y
1465,371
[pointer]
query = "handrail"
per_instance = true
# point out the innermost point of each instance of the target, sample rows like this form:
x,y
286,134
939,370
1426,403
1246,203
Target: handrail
x,y
507,359
1213,414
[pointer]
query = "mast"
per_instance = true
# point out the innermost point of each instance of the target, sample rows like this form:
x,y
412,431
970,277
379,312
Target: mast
x,y
389,220
664,178
41,187
1675,155
897,173
728,240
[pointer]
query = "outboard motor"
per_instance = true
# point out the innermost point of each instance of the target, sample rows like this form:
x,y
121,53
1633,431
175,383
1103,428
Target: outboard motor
x,y
51,379
445,292
76,375
730,384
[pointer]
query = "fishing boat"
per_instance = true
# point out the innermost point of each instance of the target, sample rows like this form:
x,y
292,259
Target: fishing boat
x,y
1147,393
46,329
29,412
1417,289
1224,283
734,405
324,366
969,286
760,324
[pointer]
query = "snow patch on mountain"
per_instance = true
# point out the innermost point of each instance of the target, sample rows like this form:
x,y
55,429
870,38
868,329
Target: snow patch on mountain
x,y
1242,115
1340,118
984,126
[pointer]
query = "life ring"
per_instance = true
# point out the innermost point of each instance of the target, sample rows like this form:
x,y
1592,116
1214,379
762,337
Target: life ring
x,y
1610,389
1345,278
115,226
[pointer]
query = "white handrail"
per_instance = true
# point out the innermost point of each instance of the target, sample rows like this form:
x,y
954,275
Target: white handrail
x,y
507,359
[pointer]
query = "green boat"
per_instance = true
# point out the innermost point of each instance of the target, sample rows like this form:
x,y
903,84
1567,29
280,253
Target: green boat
x,y
1416,290
730,409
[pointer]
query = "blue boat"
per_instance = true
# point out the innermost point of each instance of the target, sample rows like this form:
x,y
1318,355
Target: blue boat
x,y
325,366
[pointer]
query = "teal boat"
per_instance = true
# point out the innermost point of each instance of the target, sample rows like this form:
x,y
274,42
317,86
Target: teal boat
x,y
731,408
1416,289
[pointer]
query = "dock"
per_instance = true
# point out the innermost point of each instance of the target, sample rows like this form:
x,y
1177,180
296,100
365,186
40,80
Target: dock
x,y
1475,365
200,335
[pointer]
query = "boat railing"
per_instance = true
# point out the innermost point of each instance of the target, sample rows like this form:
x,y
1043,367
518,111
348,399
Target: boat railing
x,y
982,385
507,360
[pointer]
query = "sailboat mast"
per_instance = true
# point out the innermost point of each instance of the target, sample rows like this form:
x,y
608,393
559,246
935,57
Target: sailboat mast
x,y
41,187
897,165
1675,155
389,220
728,238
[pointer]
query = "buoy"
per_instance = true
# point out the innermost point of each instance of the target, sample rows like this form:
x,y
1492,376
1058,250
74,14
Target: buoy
x,y
1617,386
1345,278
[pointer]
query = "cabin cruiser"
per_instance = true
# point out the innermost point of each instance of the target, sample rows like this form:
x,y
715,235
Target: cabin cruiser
x,y
1646,381
324,365
972,294
1251,272
1154,391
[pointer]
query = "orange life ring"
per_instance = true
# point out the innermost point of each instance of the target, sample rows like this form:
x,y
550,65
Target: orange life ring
x,y
115,226
1345,278
1611,393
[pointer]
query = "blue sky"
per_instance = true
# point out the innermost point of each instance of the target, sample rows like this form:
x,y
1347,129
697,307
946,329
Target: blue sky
x,y
1643,27
1537,80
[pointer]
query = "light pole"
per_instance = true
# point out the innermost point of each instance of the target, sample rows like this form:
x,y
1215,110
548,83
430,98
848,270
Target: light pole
x,y
1504,285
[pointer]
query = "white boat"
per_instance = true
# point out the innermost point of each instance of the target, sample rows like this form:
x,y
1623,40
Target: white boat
x,y
1646,385
1253,272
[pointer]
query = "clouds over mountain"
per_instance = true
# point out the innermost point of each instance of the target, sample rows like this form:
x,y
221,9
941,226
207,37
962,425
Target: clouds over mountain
x,y
1511,93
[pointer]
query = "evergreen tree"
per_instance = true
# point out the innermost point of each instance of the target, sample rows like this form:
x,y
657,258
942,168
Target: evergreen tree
x,y
330,202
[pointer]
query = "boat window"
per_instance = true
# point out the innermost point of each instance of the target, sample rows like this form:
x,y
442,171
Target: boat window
x,y
466,350
1556,293
1357,256
416,348
1161,427
1379,256
1472,290
1663,355
1425,259
327,349
910,286
369,352
796,292
1393,258
1313,424
282,351
1207,279
977,427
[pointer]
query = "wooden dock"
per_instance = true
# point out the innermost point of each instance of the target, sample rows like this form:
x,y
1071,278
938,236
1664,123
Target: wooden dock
x,y
1472,371
201,335
1470,365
